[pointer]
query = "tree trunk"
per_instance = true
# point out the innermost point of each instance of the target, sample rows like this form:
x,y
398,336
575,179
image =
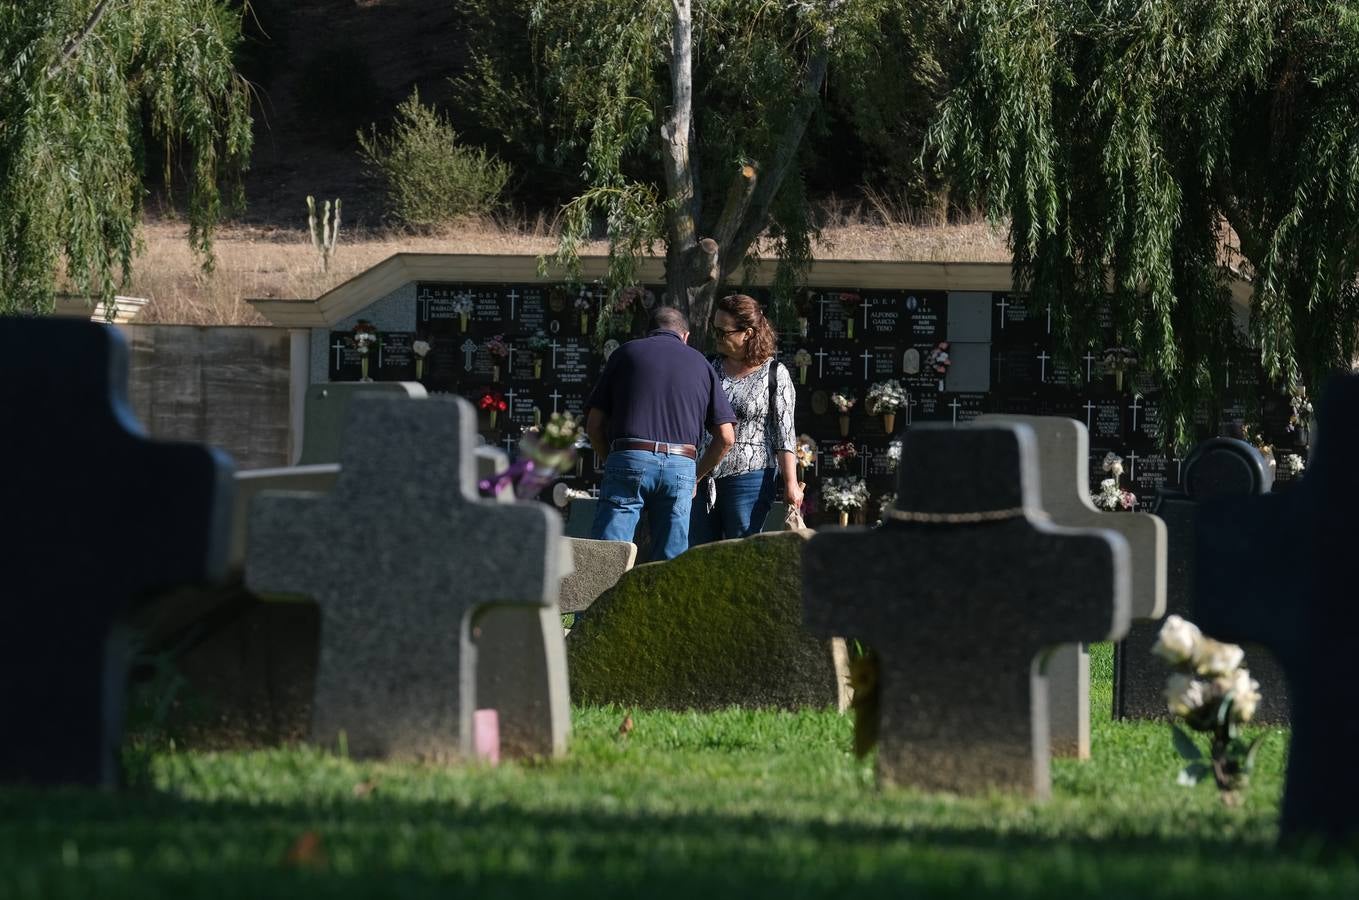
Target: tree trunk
x,y
695,268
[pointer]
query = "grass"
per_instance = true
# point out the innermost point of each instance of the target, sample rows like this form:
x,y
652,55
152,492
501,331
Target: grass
x,y
279,262
724,804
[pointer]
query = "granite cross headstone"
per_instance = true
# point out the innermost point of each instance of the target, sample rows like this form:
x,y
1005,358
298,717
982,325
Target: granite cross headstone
x,y
326,409
962,593
401,556
1278,570
1063,460
1220,467
104,518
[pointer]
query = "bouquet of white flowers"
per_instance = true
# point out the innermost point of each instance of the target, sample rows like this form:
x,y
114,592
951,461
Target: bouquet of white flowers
x,y
1111,497
844,494
1210,692
885,398
894,455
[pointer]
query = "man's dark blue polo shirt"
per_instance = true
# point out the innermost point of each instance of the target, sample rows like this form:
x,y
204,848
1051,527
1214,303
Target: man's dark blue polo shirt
x,y
658,388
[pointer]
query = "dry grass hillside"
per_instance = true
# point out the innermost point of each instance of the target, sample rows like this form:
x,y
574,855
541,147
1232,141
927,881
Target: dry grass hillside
x,y
272,261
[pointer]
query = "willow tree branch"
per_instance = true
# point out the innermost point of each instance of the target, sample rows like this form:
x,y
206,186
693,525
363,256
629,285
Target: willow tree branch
x,y
72,47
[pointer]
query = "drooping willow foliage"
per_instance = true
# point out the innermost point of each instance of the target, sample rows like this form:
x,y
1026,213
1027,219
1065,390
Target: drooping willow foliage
x,y
78,79
759,73
1122,137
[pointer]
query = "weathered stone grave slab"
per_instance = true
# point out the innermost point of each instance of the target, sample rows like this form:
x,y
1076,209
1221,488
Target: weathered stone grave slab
x,y
597,567
106,519
962,593
1279,570
401,555
326,409
1217,468
1063,455
719,625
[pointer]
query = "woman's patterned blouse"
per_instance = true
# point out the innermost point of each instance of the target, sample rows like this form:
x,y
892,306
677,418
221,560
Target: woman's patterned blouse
x,y
757,443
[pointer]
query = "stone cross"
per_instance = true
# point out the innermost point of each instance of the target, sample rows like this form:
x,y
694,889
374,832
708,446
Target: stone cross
x,y
403,557
1221,467
326,407
1063,449
1003,304
102,519
962,594
469,351
1279,570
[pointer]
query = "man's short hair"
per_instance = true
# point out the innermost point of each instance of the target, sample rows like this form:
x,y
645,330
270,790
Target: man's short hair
x,y
669,318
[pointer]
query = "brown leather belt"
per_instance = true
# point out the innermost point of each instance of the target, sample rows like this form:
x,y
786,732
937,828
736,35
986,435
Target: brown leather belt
x,y
655,447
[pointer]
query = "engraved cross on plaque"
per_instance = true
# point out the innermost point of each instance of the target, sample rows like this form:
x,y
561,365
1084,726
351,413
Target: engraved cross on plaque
x,y
820,355
469,352
1043,367
1004,304
867,357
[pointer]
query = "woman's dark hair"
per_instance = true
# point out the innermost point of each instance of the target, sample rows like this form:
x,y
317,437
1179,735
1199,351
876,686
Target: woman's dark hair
x,y
750,317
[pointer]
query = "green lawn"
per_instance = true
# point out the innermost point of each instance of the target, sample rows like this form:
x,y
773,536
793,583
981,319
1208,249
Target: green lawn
x,y
693,806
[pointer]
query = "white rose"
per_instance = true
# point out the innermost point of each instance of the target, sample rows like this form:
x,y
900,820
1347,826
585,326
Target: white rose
x,y
1245,694
1177,641
1183,694
1216,658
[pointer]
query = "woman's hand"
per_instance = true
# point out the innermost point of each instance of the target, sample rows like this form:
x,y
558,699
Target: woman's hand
x,y
792,493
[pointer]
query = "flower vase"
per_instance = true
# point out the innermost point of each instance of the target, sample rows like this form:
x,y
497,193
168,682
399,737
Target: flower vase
x,y
363,367
493,415
537,368
844,518
584,323
537,417
1118,379
495,373
462,322
844,425
889,422
849,328
803,325
801,374
419,368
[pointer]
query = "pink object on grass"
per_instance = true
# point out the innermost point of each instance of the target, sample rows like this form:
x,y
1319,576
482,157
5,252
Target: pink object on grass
x,y
486,735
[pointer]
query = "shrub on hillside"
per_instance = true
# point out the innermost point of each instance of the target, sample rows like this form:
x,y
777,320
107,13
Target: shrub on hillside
x,y
431,179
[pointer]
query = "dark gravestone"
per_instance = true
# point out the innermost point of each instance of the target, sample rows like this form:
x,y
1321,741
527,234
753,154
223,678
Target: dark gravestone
x,y
1279,570
402,557
1220,467
962,593
107,519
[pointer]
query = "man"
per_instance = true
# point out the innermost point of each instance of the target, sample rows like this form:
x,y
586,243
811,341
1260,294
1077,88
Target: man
x,y
645,417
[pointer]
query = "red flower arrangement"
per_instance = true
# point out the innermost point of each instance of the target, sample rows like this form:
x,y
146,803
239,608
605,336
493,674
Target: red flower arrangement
x,y
494,401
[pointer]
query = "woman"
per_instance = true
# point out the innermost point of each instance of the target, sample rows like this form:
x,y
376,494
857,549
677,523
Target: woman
x,y
765,442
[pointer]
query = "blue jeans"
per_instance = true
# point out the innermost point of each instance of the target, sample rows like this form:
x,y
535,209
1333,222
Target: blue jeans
x,y
661,484
743,502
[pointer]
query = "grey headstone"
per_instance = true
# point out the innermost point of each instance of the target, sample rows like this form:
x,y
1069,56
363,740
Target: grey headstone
x,y
318,479
1217,468
580,517
962,607
969,316
598,566
970,368
716,626
1063,455
101,520
1279,569
326,409
401,556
